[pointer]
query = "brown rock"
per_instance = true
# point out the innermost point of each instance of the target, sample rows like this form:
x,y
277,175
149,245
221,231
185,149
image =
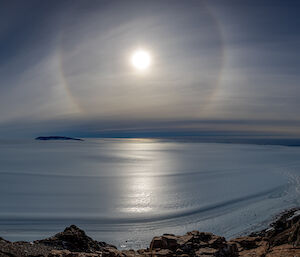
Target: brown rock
x,y
284,251
206,251
163,252
167,241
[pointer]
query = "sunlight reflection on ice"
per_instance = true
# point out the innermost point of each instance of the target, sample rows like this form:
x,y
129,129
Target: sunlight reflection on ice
x,y
140,195
140,190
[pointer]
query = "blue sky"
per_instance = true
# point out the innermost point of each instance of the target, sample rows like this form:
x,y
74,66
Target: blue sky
x,y
219,68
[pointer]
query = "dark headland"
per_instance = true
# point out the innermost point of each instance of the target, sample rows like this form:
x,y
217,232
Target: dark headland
x,y
281,239
58,138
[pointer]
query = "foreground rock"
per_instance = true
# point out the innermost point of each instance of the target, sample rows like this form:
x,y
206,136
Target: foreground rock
x,y
282,239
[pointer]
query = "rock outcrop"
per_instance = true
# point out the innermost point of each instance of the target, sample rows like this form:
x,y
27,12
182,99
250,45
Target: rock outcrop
x,y
282,239
74,239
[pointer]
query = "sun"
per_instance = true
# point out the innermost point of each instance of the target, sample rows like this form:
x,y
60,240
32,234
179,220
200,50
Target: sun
x,y
141,60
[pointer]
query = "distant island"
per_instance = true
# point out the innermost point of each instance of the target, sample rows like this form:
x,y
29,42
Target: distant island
x,y
58,138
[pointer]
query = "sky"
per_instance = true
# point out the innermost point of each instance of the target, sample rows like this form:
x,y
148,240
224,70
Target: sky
x,y
218,68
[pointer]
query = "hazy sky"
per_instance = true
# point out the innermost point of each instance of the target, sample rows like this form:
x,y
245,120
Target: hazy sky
x,y
227,67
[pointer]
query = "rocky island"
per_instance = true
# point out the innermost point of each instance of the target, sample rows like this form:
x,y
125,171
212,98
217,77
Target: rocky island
x,y
58,138
281,239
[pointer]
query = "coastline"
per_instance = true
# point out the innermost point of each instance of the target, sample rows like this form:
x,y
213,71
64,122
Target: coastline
x,y
281,239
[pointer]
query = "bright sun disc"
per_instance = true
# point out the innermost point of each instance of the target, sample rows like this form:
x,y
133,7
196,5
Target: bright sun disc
x,y
141,59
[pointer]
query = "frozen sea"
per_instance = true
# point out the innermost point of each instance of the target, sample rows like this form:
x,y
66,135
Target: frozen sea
x,y
125,191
